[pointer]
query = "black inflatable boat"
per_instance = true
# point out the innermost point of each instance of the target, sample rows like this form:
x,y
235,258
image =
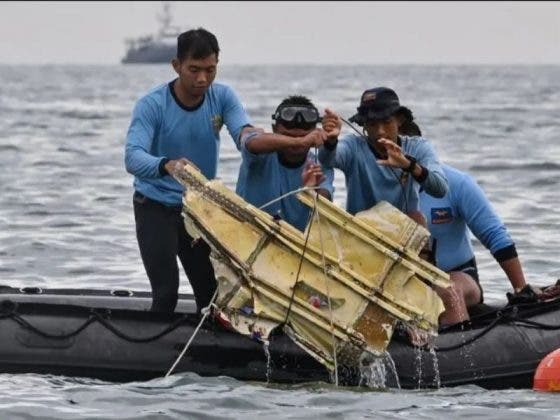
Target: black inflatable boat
x,y
111,335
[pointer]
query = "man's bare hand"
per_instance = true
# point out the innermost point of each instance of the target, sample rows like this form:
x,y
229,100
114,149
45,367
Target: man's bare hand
x,y
316,138
176,165
312,175
332,124
395,156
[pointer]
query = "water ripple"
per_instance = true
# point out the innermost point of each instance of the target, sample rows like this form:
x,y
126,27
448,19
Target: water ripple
x,y
66,216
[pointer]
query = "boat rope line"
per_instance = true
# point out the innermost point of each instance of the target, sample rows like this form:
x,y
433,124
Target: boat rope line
x,y
502,317
25,324
324,264
95,316
534,324
205,311
473,338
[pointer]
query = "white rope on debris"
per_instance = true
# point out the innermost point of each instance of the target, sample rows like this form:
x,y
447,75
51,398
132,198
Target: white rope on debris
x,y
205,311
287,195
327,288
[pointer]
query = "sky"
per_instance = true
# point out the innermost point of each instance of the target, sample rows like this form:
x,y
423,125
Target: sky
x,y
314,32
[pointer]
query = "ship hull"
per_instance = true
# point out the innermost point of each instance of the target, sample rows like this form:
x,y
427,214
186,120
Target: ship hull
x,y
150,54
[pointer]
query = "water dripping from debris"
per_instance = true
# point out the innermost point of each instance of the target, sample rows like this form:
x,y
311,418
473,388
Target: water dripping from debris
x,y
437,377
418,364
376,369
268,361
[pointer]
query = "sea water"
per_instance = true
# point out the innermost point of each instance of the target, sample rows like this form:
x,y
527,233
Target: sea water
x,y
66,216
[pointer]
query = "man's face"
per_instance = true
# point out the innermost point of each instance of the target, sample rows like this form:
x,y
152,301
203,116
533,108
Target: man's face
x,y
196,75
294,152
383,129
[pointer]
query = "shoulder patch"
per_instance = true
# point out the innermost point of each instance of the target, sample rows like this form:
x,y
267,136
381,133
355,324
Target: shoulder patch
x,y
441,215
217,123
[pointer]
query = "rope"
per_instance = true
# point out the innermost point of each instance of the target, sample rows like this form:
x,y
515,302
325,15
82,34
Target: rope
x,y
299,268
535,324
287,195
501,317
327,287
92,318
205,312
126,337
474,338
18,319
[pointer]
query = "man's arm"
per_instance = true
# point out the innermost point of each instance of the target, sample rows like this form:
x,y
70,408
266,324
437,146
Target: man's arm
x,y
257,141
234,116
486,225
141,132
428,171
514,272
334,154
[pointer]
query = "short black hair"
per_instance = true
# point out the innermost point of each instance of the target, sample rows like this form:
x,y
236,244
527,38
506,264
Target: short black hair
x,y
295,100
196,43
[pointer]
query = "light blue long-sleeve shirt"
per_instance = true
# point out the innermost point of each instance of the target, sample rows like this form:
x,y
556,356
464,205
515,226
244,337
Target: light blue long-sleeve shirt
x,y
464,207
262,178
161,127
368,183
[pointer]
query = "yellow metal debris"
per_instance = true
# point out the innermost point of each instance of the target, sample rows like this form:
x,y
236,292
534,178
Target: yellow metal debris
x,y
366,265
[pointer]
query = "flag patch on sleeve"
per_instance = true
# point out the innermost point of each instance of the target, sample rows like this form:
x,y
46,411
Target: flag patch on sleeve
x,y
441,215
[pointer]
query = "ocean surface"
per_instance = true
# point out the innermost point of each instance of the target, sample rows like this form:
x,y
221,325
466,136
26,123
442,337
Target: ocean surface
x,y
66,216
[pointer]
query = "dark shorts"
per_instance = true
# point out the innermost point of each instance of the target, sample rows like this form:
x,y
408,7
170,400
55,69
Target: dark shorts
x,y
470,268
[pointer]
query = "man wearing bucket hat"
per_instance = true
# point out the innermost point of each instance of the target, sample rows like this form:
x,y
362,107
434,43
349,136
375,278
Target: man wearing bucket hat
x,y
382,165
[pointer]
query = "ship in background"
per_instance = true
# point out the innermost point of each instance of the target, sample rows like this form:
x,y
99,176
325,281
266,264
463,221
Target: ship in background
x,y
158,48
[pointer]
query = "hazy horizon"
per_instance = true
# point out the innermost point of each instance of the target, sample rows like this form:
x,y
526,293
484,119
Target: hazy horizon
x,y
275,33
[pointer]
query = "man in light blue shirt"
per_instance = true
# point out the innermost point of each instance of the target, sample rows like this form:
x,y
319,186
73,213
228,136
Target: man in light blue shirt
x,y
382,165
450,218
274,163
464,208
174,123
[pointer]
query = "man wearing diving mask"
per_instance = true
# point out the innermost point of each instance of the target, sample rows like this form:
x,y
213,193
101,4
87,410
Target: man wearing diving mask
x,y
278,163
381,164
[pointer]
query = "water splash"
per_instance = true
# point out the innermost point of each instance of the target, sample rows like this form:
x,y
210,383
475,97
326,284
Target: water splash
x,y
466,353
437,377
392,368
374,370
373,373
418,364
266,348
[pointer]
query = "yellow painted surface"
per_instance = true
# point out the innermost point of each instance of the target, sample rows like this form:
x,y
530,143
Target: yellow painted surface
x,y
346,287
